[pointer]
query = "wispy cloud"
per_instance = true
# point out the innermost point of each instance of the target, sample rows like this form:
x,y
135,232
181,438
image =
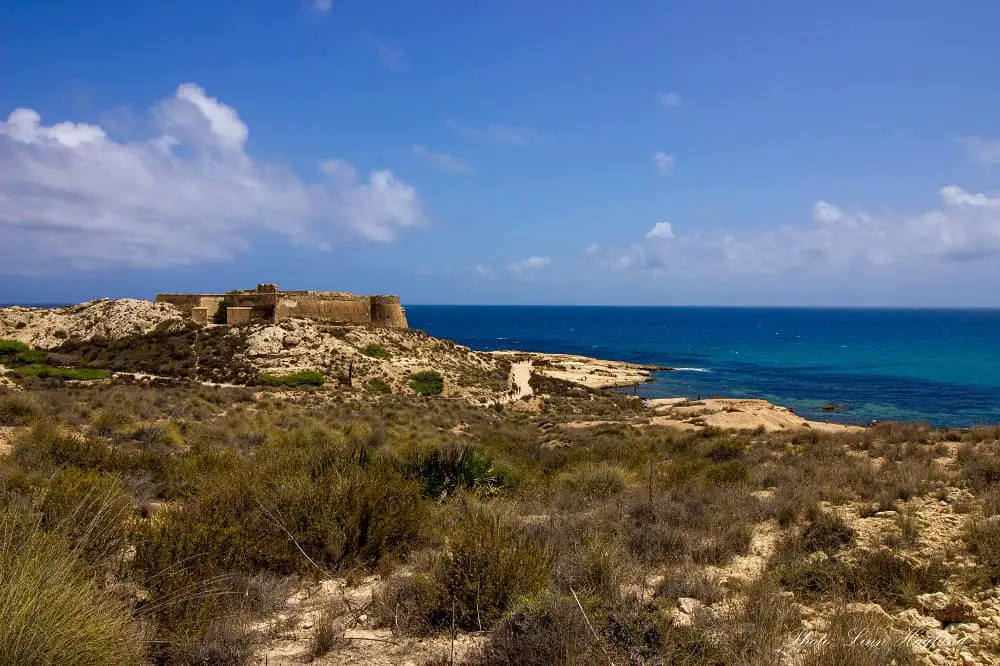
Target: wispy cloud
x,y
985,151
73,196
322,6
664,162
393,57
669,99
528,264
497,132
443,160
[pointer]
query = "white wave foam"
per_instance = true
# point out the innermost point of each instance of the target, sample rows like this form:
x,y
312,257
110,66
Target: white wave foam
x,y
691,370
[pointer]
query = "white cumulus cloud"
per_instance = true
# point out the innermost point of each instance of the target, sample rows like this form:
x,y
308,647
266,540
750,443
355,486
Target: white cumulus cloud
x,y
965,228
660,231
70,195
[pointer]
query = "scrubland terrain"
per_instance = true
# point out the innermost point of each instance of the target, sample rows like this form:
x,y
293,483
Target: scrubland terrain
x,y
166,521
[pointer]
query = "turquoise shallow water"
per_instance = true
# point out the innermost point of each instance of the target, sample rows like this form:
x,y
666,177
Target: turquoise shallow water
x,y
940,366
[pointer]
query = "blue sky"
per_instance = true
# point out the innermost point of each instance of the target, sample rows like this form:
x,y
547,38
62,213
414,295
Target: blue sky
x,y
766,153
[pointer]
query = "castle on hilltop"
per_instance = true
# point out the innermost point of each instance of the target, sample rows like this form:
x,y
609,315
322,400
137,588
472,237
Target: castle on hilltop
x,y
267,304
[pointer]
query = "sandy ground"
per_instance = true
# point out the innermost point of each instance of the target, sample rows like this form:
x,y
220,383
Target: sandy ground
x,y
6,439
591,372
347,608
733,414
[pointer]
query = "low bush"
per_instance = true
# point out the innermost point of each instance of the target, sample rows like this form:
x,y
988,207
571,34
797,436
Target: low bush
x,y
541,631
378,386
980,468
880,577
428,382
49,371
17,409
303,378
982,537
48,446
376,350
859,639
326,635
109,420
93,512
11,347
490,565
827,532
51,610
599,481
29,357
704,523
443,470
337,513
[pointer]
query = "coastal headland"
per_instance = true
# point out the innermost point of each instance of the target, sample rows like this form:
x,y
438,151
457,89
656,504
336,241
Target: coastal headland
x,y
308,489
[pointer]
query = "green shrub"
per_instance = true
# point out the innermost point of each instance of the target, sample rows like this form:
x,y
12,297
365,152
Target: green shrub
x,y
427,382
490,565
598,481
11,347
541,631
17,409
47,371
827,532
725,450
378,386
880,577
91,510
443,470
47,446
325,636
376,350
303,378
51,610
110,420
220,316
30,357
733,471
982,537
338,513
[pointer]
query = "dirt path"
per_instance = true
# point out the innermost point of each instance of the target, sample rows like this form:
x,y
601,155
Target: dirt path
x,y
520,378
518,384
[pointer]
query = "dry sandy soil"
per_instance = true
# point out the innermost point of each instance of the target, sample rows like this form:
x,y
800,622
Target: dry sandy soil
x,y
47,328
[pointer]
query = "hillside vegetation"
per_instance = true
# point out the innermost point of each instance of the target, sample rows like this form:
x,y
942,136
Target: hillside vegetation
x,y
339,508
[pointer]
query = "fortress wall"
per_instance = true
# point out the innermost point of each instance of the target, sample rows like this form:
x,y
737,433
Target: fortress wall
x,y
351,310
262,304
235,316
186,302
267,304
388,311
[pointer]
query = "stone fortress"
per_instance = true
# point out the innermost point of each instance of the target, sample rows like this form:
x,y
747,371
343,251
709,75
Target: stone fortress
x,y
267,304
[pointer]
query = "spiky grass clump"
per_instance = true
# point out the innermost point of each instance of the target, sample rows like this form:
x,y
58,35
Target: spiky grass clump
x,y
51,610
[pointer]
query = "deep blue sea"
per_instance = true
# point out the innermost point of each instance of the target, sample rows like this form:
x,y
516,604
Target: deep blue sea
x,y
939,366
